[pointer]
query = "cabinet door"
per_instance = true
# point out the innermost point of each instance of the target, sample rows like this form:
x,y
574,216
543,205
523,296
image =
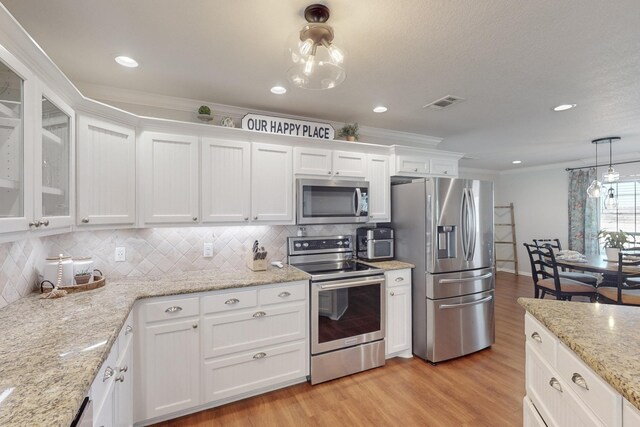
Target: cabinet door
x,y
104,416
226,184
170,178
412,165
444,167
379,188
17,120
123,389
271,183
312,161
398,319
171,380
54,175
106,172
349,165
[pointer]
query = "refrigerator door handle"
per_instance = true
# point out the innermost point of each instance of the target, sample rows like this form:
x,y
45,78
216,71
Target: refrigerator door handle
x,y
464,223
472,223
466,279
465,304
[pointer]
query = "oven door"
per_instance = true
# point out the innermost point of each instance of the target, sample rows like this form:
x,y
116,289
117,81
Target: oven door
x,y
347,312
332,202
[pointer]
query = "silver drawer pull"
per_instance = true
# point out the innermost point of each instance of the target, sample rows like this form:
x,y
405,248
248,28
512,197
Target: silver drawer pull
x,y
579,380
536,336
259,355
392,293
399,279
120,378
284,294
232,301
259,314
125,368
128,330
108,373
553,382
173,309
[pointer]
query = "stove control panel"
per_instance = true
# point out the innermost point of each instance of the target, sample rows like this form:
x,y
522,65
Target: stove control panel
x,y
306,245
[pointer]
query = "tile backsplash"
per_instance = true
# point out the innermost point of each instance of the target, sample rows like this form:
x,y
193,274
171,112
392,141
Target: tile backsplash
x,y
149,251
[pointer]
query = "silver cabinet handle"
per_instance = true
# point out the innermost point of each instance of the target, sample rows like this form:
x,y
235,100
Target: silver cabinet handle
x,y
392,293
108,373
415,169
195,218
255,217
128,330
45,222
125,368
579,380
35,224
259,355
284,294
328,172
553,382
338,173
445,172
120,378
173,309
259,314
85,220
232,301
194,326
536,336
246,218
399,279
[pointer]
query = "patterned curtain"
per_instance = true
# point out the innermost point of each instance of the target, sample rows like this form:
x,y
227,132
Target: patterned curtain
x,y
583,213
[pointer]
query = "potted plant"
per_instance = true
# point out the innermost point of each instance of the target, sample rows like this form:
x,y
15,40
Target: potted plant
x,y
83,277
614,241
204,114
349,132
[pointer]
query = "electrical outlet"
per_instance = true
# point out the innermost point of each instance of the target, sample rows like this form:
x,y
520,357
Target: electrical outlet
x,y
207,252
121,254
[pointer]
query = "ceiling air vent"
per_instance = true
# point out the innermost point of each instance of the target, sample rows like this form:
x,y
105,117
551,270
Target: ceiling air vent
x,y
445,102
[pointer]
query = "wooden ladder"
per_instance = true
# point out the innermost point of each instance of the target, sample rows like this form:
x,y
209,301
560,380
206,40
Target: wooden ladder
x,y
513,241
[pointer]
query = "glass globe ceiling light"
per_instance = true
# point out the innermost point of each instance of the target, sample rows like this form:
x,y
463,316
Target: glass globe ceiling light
x,y
317,61
610,202
595,189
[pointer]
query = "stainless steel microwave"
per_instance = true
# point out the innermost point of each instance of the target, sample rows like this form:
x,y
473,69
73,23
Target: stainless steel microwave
x,y
324,201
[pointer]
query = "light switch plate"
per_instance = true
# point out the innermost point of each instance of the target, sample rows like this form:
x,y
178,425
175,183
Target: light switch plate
x,y
121,254
207,252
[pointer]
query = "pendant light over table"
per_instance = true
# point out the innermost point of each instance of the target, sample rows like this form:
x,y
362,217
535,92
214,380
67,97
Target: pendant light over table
x,y
611,176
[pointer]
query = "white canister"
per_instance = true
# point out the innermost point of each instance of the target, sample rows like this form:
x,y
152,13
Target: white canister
x,y
51,269
82,265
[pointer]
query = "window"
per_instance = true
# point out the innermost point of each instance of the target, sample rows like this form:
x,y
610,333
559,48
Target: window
x,y
627,216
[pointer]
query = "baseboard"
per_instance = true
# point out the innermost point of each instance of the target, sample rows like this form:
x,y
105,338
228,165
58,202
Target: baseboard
x,y
520,273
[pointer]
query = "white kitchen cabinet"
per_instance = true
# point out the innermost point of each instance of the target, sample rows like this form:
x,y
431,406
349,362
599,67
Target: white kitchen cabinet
x,y
54,171
630,415
412,165
123,386
169,178
312,161
347,164
379,188
271,183
106,181
226,181
398,326
443,167
414,162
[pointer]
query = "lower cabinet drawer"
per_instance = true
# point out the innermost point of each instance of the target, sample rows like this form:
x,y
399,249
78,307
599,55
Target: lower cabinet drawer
x,y
230,301
531,417
288,293
398,277
171,309
253,370
595,392
554,399
540,338
231,332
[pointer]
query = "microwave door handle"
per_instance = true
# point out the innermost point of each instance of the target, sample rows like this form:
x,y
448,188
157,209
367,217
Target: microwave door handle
x,y
358,194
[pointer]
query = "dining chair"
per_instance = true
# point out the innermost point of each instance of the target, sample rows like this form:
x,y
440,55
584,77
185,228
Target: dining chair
x,y
573,275
628,290
547,280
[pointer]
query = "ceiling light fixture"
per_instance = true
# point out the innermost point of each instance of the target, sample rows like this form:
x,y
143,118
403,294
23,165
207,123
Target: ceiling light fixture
x,y
595,188
516,162
125,61
317,62
611,175
380,109
564,107
279,90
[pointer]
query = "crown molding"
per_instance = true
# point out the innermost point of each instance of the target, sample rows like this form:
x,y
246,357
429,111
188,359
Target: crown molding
x,y
374,135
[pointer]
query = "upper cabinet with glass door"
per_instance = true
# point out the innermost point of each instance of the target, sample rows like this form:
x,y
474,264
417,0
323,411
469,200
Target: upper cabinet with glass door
x,y
16,85
54,171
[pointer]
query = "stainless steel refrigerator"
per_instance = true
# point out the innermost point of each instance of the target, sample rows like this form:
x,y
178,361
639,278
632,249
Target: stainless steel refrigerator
x,y
445,227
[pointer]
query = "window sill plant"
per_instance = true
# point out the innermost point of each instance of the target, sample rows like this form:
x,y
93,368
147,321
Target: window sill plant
x,y
614,241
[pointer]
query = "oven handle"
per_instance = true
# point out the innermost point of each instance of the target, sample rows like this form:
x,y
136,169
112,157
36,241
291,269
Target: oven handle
x,y
351,283
466,279
465,304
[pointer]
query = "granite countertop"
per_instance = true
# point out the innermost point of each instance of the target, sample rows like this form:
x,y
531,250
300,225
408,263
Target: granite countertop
x,y
604,336
51,350
389,265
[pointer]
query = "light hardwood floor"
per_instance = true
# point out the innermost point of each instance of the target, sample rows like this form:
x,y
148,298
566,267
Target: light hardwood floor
x,y
482,389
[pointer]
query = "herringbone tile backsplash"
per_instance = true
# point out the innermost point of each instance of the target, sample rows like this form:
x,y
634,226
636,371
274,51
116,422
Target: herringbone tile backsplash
x,y
149,251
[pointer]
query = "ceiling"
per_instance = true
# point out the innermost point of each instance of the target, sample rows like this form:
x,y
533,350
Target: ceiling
x,y
512,60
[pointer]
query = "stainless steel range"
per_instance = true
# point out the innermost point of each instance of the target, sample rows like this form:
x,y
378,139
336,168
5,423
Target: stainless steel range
x,y
347,306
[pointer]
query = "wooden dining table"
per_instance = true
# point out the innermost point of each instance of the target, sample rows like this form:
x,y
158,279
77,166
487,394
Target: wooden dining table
x,y
598,264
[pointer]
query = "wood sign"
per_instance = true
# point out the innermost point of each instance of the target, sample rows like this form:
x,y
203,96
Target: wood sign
x,y
284,126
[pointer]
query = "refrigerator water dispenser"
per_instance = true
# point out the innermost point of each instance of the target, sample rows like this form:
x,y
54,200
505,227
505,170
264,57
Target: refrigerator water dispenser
x,y
447,241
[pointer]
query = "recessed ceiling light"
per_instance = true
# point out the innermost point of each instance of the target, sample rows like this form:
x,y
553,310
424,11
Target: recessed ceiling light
x,y
125,61
517,162
564,107
380,109
278,90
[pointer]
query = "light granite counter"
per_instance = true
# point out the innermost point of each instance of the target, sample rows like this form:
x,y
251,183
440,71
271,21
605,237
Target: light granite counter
x,y
51,350
389,265
604,336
